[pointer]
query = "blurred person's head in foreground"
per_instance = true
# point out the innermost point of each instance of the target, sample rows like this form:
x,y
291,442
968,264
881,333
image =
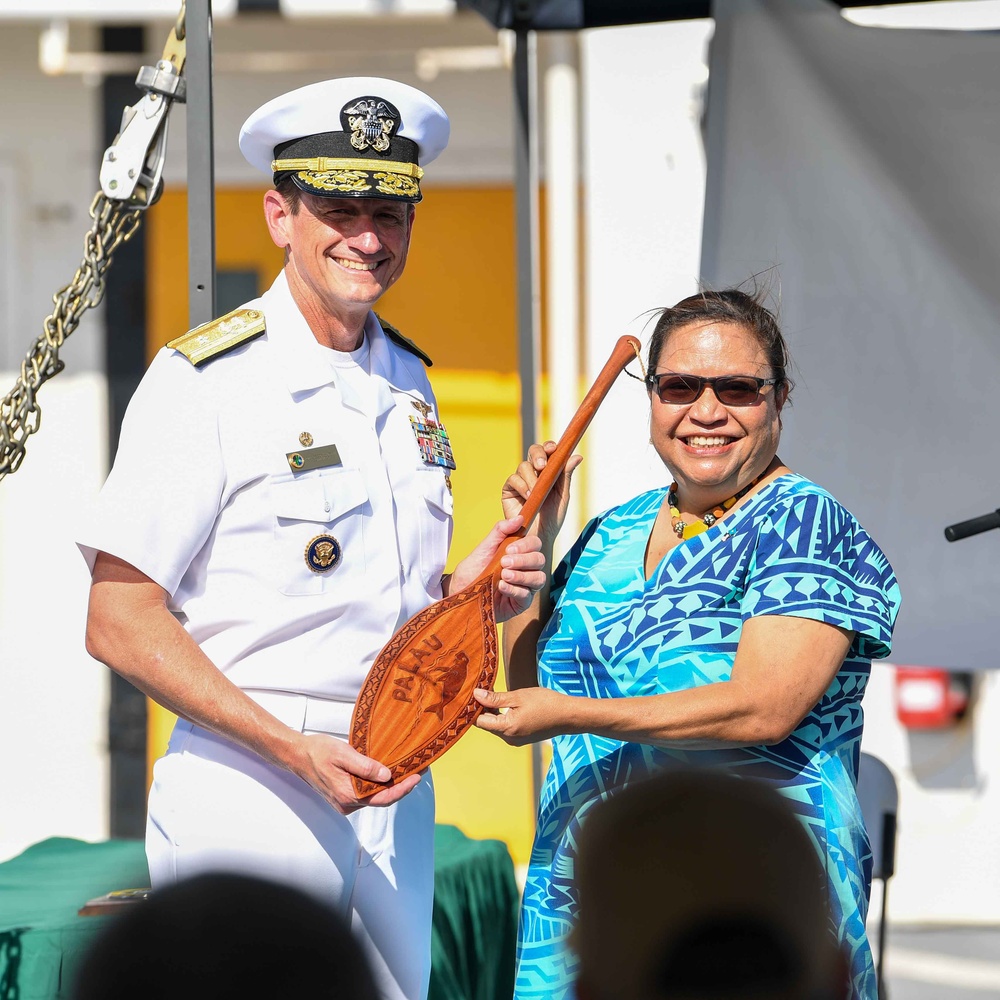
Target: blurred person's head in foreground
x,y
696,885
225,937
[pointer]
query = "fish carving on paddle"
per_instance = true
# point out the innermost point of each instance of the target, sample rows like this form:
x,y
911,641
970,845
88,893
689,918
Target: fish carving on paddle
x,y
446,681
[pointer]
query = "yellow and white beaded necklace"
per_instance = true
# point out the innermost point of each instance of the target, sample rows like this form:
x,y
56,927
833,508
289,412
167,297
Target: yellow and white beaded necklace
x,y
688,529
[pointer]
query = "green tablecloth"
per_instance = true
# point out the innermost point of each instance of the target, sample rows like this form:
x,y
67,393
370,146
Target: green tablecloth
x,y
475,918
42,940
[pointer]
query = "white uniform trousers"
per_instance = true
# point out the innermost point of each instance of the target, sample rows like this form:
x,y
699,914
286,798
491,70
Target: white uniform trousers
x,y
214,806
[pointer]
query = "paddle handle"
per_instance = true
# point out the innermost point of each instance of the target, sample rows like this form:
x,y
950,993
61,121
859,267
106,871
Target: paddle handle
x,y
626,350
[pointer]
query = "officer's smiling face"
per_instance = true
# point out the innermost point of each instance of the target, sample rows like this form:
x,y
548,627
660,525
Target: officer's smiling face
x,y
343,253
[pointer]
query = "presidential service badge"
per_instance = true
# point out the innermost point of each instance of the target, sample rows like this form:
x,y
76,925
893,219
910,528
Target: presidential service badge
x,y
323,553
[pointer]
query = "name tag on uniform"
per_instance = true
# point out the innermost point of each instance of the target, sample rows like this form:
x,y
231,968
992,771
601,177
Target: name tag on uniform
x,y
313,458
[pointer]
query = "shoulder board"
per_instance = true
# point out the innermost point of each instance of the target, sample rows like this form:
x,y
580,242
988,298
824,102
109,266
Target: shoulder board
x,y
210,340
394,335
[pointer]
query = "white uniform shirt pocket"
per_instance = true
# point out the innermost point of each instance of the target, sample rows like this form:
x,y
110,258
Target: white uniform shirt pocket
x,y
325,510
435,514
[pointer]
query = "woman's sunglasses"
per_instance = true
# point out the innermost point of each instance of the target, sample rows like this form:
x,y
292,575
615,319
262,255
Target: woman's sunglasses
x,y
730,390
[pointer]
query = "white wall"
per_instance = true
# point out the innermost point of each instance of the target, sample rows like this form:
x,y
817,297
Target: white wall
x,y
48,172
644,189
53,697
947,862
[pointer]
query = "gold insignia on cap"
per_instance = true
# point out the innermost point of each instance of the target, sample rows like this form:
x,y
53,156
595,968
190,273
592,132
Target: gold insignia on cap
x,y
336,180
323,553
305,439
348,175
219,335
396,184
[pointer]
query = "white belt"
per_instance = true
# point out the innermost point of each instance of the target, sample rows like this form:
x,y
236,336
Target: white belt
x,y
304,713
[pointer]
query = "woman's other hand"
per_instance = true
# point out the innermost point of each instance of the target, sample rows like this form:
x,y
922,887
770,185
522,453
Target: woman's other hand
x,y
525,716
519,485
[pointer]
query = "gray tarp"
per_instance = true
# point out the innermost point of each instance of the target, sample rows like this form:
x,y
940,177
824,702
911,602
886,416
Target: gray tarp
x,y
863,165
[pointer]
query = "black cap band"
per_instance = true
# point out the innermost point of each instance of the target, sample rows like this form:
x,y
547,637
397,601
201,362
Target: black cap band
x,y
338,144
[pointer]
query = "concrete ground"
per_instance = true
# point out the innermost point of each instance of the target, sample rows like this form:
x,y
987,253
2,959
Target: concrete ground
x,y
940,963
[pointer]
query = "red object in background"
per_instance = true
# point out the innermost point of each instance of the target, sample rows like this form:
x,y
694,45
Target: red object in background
x,y
930,697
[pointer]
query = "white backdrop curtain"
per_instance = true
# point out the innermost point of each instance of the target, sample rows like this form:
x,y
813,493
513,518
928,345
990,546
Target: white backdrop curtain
x,y
859,169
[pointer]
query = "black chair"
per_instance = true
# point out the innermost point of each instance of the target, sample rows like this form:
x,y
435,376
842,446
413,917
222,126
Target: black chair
x,y
879,799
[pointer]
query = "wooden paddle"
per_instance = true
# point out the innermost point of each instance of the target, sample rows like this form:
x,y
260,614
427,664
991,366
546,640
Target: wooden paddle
x,y
417,698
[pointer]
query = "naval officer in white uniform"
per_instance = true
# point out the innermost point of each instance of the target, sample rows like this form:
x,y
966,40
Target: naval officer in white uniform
x,y
274,514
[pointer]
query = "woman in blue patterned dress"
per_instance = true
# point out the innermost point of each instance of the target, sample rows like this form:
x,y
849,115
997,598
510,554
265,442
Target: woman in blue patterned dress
x,y
728,620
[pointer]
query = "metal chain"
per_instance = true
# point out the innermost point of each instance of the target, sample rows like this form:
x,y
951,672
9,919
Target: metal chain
x,y
115,222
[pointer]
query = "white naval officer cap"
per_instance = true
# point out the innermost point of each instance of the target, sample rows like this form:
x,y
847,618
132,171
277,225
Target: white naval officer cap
x,y
356,137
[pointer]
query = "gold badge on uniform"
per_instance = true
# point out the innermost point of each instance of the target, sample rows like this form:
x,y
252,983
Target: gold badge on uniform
x,y
323,553
305,439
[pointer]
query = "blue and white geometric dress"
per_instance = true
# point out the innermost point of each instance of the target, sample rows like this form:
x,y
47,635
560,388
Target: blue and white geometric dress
x,y
790,550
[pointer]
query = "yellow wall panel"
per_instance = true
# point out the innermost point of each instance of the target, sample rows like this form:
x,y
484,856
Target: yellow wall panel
x,y
483,785
457,298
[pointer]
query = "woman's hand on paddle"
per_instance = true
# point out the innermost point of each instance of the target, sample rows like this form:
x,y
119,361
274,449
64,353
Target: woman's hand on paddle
x,y
519,485
522,572
526,715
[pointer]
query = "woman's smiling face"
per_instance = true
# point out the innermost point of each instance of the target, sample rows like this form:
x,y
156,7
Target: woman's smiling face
x,y
711,448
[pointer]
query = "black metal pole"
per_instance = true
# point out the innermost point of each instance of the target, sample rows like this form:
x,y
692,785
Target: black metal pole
x,y
973,526
124,363
200,164
880,991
